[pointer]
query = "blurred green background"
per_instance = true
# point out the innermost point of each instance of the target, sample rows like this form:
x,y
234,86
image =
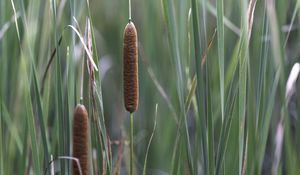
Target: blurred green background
x,y
192,135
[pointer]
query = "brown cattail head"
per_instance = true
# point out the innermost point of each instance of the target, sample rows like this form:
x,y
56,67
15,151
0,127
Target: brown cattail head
x,y
80,140
130,68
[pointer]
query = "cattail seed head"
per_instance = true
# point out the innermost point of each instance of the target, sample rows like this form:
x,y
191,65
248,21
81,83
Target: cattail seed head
x,y
130,68
80,140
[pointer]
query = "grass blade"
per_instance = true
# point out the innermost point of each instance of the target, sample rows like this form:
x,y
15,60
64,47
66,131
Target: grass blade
x,y
1,136
169,13
150,140
60,115
33,138
220,36
39,112
200,90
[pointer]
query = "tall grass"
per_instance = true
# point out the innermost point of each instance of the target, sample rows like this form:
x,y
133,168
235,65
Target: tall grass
x,y
208,104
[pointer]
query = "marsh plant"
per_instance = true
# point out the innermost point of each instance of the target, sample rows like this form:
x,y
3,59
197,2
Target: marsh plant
x,y
189,87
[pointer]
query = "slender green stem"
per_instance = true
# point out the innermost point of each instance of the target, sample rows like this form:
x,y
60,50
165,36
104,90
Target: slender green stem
x,y
81,81
1,143
131,143
129,7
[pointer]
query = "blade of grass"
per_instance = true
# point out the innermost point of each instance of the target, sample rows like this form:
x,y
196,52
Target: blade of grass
x,y
59,104
16,19
49,64
150,140
210,124
220,36
24,156
225,132
207,65
297,135
177,144
67,114
264,50
85,47
230,25
72,96
1,135
180,168
28,103
175,151
265,124
200,91
90,97
242,107
276,47
39,112
168,8
36,103
291,24
277,51
32,131
100,120
243,70
13,130
98,101
250,140
264,109
3,49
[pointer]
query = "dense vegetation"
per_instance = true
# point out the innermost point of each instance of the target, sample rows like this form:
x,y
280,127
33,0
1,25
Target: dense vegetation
x,y
212,86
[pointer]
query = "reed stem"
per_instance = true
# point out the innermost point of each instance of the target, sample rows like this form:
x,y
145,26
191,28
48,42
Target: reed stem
x,y
129,7
131,143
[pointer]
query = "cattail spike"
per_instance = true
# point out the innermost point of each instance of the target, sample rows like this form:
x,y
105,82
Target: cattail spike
x,y
80,140
130,69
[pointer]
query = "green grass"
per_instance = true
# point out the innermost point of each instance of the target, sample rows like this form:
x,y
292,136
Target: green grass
x,y
212,85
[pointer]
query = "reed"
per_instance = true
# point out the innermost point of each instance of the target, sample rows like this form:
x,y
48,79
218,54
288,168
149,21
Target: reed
x,y
130,75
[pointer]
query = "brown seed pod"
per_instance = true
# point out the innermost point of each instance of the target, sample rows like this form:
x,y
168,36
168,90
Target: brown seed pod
x,y
80,140
130,68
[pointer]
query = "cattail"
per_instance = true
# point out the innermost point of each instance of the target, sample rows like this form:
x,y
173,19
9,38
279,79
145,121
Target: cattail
x,y
130,68
80,140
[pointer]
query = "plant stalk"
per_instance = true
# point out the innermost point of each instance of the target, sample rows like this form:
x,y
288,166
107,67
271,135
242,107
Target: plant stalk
x,y
131,143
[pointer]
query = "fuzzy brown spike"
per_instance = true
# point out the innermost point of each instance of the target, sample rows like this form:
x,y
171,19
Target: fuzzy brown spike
x,y
80,140
130,68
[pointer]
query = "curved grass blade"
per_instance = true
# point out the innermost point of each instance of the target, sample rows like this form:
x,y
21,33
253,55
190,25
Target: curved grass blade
x,y
150,140
169,14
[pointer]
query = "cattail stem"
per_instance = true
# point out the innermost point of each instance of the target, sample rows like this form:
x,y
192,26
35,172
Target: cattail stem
x,y
131,143
81,81
129,7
